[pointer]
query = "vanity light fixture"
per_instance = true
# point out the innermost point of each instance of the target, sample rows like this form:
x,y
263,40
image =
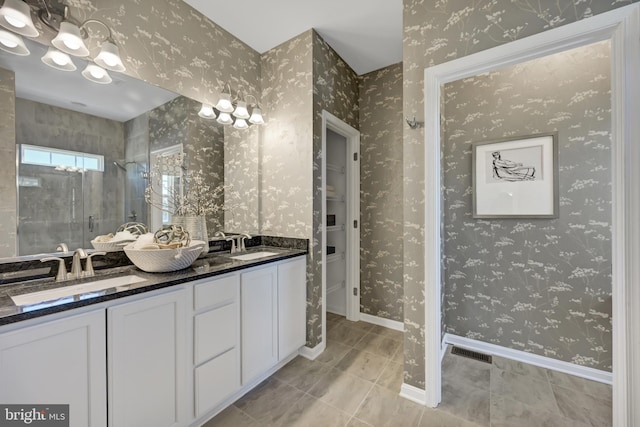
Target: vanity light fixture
x,y
233,111
96,74
12,43
206,112
15,15
58,60
71,38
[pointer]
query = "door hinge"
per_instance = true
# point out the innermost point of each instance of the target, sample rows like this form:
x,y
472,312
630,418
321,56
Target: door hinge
x,y
355,223
355,157
355,292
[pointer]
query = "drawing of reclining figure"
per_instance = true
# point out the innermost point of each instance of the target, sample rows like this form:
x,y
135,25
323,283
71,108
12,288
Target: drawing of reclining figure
x,y
507,170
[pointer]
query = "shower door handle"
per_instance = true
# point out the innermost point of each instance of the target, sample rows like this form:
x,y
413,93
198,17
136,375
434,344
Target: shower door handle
x,y
91,223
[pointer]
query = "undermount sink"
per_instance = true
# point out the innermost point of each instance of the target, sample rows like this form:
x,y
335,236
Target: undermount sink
x,y
81,288
254,255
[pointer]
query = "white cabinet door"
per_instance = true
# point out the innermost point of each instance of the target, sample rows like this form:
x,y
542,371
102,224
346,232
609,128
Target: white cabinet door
x,y
58,362
292,306
147,361
259,299
216,339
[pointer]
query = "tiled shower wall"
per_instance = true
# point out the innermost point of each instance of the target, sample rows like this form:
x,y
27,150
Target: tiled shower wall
x,y
537,285
381,124
437,31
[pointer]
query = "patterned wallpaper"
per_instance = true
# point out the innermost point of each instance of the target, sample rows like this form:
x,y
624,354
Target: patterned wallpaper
x,y
436,31
541,286
301,77
381,286
335,89
7,174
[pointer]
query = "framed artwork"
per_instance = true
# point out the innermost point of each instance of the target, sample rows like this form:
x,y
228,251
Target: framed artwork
x,y
516,177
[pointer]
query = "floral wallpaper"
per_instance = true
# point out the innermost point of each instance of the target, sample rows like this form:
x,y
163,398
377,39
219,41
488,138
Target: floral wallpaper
x,y
301,77
8,175
437,31
381,282
541,286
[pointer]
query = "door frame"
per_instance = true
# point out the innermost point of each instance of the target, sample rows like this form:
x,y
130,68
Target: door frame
x,y
352,136
622,27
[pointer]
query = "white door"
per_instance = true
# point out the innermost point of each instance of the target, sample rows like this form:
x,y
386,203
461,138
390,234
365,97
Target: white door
x,y
259,300
147,362
58,362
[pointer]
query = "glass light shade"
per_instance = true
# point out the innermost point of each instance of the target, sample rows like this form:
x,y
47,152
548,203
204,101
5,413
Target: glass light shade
x,y
15,15
206,112
109,57
225,119
96,74
241,110
224,104
69,40
58,60
256,117
12,43
241,124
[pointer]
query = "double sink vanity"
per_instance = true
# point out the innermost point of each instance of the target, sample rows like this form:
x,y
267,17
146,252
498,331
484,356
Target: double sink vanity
x,y
129,348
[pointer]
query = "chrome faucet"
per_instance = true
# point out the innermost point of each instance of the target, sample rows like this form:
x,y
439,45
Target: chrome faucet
x,y
62,247
76,265
220,233
241,239
233,243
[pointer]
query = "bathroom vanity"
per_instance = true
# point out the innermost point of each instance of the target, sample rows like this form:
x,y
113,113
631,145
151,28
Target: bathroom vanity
x,y
168,350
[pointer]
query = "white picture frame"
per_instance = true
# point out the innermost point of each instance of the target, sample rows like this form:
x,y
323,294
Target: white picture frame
x,y
516,177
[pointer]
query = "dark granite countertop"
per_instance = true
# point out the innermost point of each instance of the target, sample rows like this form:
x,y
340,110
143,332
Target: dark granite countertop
x,y
212,264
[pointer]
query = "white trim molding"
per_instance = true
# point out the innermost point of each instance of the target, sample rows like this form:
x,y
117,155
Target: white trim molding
x,y
313,353
381,321
529,358
622,27
413,394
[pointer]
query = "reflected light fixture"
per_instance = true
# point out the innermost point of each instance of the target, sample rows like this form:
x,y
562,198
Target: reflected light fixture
x,y
15,15
71,38
96,74
12,43
206,112
233,111
58,60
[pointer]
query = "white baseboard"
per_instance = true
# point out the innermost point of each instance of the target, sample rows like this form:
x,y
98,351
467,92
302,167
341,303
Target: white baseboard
x,y
312,353
530,358
381,321
413,394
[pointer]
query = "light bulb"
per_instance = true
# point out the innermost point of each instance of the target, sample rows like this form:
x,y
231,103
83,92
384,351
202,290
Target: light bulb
x,y
15,22
241,110
109,57
225,119
256,117
69,40
224,103
60,58
8,43
97,72
206,112
240,124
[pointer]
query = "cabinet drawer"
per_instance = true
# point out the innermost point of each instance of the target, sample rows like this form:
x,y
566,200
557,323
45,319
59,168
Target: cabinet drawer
x,y
215,331
215,292
216,380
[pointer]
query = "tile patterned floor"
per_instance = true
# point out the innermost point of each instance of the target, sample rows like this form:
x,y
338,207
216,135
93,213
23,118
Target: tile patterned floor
x,y
356,381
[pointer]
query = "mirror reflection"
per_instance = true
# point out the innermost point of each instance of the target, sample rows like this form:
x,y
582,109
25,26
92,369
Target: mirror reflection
x,y
83,151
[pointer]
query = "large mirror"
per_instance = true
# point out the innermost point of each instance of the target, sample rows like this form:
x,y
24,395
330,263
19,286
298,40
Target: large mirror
x,y
84,149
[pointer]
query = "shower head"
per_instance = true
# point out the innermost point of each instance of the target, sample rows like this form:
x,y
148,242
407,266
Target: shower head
x,y
118,164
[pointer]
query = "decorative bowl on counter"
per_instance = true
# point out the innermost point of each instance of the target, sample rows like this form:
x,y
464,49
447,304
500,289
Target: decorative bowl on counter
x,y
110,246
164,260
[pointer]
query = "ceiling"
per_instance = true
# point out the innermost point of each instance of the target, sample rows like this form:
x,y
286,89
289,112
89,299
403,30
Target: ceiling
x,y
367,34
38,82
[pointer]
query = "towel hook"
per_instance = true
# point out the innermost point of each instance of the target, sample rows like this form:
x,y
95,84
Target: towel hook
x,y
413,124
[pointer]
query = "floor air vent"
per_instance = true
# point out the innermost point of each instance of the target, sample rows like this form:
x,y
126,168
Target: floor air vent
x,y
471,354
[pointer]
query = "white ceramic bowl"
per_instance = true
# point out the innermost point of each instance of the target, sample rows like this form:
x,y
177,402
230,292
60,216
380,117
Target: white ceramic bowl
x,y
164,260
110,246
